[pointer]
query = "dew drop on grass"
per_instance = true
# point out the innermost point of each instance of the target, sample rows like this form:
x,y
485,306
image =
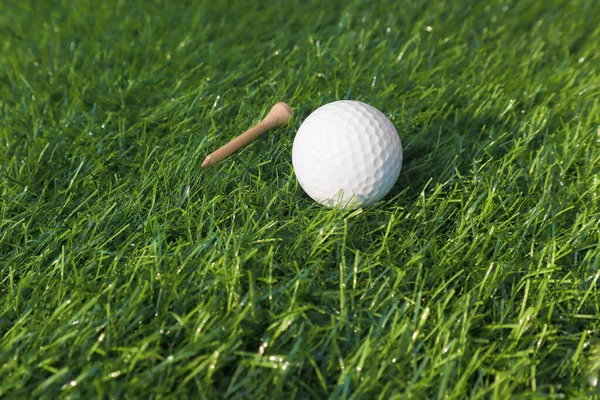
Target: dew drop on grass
x,y
114,374
263,347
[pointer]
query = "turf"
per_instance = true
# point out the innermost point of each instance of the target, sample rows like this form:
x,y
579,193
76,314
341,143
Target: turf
x,y
127,270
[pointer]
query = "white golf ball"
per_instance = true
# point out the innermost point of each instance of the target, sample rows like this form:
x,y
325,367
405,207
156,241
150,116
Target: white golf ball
x,y
347,154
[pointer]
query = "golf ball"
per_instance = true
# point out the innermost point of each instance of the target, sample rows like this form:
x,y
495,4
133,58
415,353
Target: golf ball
x,y
348,154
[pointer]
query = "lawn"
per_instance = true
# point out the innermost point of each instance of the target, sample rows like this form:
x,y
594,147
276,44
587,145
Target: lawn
x,y
128,270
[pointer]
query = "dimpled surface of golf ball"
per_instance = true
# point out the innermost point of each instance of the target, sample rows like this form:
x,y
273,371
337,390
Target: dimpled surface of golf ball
x,y
348,154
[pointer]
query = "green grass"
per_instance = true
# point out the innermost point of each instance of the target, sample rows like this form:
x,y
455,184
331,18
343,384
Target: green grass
x,y
125,268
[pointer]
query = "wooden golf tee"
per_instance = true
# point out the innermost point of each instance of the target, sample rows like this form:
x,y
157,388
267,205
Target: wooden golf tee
x,y
279,115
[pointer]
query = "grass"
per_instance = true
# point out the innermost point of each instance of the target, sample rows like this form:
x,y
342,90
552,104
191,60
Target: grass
x,y
125,269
